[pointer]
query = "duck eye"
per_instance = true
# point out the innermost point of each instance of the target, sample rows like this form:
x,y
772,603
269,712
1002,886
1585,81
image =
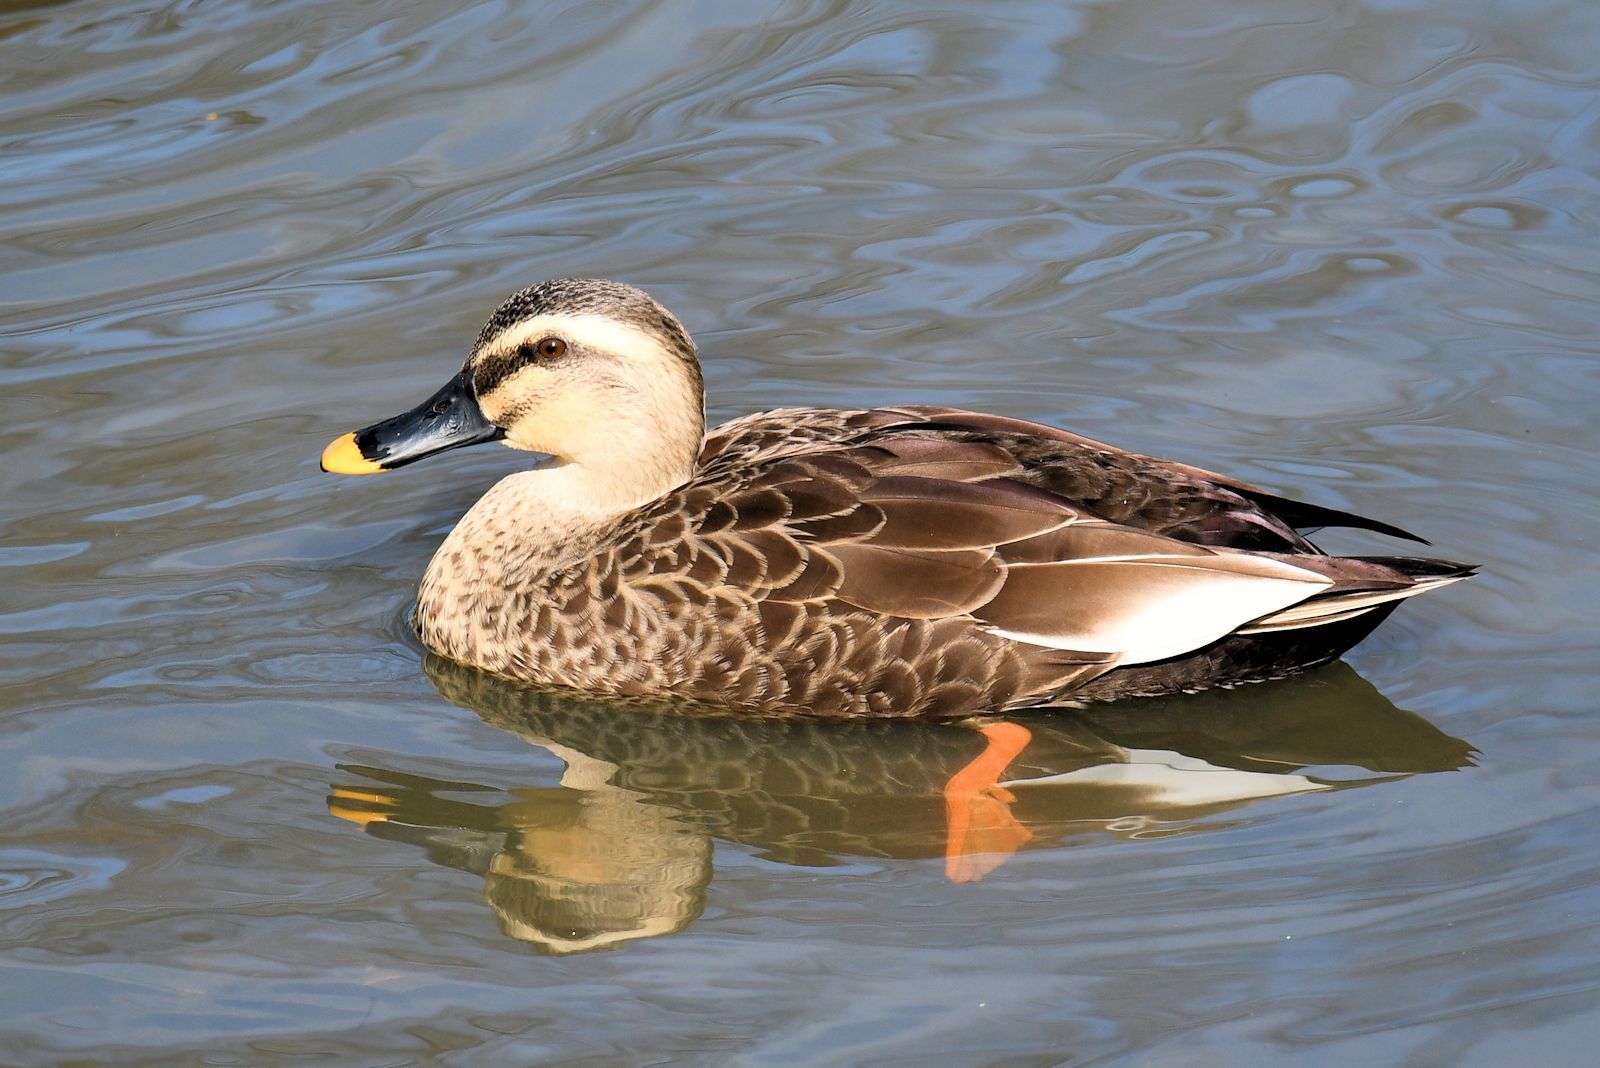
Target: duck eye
x,y
550,348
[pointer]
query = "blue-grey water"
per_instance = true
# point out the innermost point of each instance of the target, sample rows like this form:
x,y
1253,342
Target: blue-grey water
x,y
1347,250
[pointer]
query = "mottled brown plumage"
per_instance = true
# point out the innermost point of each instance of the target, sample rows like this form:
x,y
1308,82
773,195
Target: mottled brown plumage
x,y
907,561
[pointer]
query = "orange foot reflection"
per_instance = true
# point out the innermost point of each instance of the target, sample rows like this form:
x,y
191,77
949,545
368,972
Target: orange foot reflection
x,y
982,832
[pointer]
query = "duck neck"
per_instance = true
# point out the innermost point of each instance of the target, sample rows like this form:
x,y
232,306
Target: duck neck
x,y
615,443
549,517
624,469
527,528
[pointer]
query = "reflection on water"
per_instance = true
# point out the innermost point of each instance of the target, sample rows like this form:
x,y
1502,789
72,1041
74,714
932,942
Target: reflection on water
x,y
621,847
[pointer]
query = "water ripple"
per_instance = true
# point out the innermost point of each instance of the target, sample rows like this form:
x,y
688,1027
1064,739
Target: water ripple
x,y
30,877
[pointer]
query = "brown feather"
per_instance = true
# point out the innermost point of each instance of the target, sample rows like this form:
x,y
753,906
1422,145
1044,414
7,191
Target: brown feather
x,y
931,513
911,584
956,461
860,522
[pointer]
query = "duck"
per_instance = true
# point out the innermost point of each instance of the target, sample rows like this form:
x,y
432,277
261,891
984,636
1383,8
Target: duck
x,y
907,561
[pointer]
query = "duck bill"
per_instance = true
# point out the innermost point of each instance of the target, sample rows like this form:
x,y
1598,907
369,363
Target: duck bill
x,y
450,419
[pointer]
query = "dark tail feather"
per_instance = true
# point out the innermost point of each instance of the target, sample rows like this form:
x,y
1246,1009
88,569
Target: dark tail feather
x,y
1302,516
1422,568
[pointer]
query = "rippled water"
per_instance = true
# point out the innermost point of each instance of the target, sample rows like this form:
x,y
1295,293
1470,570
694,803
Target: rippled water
x,y
1346,250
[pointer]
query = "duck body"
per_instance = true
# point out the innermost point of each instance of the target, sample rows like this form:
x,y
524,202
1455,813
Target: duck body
x,y
906,561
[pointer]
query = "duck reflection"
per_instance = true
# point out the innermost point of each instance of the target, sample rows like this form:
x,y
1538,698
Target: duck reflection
x,y
621,848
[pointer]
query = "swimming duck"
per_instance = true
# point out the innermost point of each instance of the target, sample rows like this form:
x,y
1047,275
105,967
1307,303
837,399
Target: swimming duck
x,y
905,561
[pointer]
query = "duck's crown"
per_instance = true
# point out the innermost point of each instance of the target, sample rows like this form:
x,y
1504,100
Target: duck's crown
x,y
589,297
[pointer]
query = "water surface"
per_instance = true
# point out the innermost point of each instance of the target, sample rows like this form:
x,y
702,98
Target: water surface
x,y
1345,250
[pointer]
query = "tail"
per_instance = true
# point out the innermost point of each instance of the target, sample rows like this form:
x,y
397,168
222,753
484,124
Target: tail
x,y
1360,585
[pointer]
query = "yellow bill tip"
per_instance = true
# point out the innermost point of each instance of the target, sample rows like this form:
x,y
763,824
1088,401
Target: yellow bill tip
x,y
343,457
355,815
361,807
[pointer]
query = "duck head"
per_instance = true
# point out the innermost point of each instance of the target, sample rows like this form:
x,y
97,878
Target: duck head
x,y
591,372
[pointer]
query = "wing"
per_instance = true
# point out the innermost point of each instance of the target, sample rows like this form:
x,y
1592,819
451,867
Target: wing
x,y
881,513
927,561
1183,502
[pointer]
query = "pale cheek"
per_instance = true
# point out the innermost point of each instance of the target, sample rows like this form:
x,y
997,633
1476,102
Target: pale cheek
x,y
529,431
522,412
494,410
537,443
561,425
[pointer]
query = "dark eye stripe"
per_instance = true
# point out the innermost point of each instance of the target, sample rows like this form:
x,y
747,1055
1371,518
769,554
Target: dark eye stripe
x,y
494,370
